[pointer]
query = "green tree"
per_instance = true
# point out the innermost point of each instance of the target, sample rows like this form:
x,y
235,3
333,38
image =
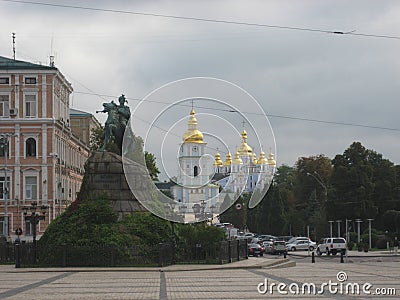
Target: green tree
x,y
235,214
353,181
151,165
97,139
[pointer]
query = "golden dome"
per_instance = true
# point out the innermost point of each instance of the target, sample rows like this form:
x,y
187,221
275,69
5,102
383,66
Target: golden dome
x,y
237,160
262,160
254,158
228,160
271,160
244,148
192,135
218,161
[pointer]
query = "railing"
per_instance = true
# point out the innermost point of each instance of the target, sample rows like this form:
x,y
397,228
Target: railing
x,y
23,255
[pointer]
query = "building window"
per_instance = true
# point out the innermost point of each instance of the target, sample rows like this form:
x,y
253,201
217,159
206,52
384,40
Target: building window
x,y
2,186
2,225
4,80
30,188
4,105
30,80
28,228
3,147
196,171
30,147
30,106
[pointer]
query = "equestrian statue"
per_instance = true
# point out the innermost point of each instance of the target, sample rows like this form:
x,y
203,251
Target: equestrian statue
x,y
117,121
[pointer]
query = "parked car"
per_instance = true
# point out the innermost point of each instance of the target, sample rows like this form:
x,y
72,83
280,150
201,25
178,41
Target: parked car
x,y
268,246
266,237
278,247
332,246
297,238
301,245
255,249
284,238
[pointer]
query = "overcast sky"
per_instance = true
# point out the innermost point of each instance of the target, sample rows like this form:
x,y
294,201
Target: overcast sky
x,y
291,73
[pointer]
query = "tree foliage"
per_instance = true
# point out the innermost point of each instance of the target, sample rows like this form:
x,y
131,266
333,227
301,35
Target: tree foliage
x,y
359,183
151,165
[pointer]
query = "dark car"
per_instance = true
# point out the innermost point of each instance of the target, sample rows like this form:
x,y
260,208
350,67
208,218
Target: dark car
x,y
255,249
266,237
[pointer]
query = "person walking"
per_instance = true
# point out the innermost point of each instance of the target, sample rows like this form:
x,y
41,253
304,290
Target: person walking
x,y
396,245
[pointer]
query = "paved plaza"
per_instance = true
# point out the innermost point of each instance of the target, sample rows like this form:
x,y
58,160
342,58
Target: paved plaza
x,y
240,280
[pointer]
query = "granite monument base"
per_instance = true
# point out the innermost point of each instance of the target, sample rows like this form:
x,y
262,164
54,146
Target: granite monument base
x,y
105,178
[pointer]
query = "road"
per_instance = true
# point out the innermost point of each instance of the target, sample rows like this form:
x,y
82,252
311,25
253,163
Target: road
x,y
244,282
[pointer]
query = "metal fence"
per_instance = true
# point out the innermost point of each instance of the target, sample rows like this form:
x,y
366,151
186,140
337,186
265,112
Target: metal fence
x,y
26,255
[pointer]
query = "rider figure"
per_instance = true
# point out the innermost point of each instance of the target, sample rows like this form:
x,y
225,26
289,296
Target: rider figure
x,y
123,111
117,120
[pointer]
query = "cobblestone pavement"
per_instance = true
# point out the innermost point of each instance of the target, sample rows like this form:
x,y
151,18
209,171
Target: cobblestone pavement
x,y
175,283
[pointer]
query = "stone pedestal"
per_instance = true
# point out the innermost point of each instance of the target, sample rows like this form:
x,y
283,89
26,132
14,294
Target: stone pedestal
x,y
104,177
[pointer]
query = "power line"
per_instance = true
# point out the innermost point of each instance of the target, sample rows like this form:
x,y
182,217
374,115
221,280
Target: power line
x,y
259,114
205,19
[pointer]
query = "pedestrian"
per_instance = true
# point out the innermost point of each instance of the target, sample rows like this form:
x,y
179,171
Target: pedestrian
x,y
396,245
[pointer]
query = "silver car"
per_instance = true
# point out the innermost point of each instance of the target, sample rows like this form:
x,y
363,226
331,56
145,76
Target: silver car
x,y
301,245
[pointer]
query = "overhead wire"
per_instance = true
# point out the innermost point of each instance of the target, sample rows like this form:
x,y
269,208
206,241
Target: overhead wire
x,y
254,113
335,32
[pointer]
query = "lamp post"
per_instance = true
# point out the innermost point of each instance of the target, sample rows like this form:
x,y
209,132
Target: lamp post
x,y
369,227
330,223
358,229
213,209
347,230
34,219
318,179
55,184
338,226
4,140
170,211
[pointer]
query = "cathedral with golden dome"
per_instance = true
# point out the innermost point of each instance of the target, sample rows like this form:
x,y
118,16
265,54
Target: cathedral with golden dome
x,y
194,179
243,173
200,178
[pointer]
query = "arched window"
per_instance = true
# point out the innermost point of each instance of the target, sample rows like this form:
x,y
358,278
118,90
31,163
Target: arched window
x,y
30,147
196,171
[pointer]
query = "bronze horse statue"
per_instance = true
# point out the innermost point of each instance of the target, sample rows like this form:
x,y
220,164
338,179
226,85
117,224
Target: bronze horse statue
x,y
113,129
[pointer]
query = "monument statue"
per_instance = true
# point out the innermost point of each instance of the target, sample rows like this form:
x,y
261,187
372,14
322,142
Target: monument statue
x,y
117,120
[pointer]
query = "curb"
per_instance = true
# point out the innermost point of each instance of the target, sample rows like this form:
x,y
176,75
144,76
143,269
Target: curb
x,y
269,264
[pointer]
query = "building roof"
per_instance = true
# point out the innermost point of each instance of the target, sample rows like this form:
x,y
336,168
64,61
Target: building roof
x,y
11,64
76,113
164,185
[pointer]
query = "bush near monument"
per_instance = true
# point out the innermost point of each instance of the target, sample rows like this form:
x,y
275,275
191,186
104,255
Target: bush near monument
x,y
89,230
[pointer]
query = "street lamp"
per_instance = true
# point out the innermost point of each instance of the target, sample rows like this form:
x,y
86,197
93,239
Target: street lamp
x,y
318,179
56,193
369,225
347,230
34,219
4,139
338,226
330,223
358,230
